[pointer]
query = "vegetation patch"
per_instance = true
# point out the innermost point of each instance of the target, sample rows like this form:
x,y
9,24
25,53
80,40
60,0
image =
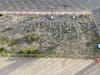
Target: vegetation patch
x,y
29,51
4,52
1,15
30,38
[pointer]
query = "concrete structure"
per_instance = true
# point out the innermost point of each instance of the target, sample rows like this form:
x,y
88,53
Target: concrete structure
x,y
45,13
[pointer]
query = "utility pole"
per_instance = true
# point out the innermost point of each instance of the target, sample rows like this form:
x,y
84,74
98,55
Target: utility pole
x,y
52,10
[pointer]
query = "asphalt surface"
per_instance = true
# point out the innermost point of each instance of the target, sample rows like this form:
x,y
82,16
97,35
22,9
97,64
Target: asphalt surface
x,y
39,5
48,66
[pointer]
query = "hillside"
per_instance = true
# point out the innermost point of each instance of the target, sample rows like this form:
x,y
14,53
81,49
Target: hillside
x,y
66,35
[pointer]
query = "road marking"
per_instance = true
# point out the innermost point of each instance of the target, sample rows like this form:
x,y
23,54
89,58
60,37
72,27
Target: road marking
x,y
7,3
24,4
86,69
17,5
41,5
32,5
1,7
47,4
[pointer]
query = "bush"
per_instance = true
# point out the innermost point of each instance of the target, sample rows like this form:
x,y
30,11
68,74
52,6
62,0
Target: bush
x,y
12,42
30,38
2,49
30,51
8,41
4,52
1,15
22,52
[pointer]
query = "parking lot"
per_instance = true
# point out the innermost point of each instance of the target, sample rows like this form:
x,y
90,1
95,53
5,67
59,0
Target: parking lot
x,y
48,66
39,5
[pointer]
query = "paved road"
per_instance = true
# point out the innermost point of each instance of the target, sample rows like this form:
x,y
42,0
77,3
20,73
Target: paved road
x,y
48,66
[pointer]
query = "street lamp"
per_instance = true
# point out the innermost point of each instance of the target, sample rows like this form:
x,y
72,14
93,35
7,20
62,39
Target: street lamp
x,y
52,10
